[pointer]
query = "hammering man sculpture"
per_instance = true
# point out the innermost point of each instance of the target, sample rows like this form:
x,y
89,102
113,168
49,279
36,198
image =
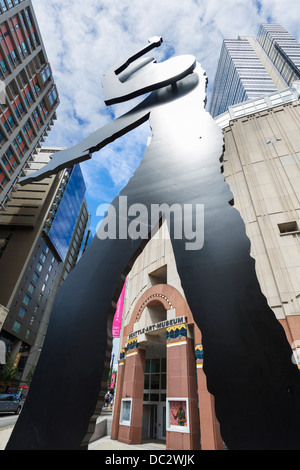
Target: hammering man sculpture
x,y
247,359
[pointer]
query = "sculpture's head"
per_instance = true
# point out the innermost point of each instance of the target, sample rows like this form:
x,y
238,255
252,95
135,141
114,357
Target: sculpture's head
x,y
137,76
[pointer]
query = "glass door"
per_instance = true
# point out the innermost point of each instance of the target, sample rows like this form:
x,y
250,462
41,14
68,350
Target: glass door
x,y
161,421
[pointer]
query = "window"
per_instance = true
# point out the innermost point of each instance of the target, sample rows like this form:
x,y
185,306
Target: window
x,y
26,299
3,66
2,3
52,95
43,257
39,267
35,277
155,379
31,288
22,312
17,327
288,227
46,73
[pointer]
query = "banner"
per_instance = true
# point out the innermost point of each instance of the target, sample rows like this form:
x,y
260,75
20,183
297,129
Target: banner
x,y
116,328
112,381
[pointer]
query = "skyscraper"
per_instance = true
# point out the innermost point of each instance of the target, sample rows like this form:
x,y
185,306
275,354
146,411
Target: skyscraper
x,y
42,232
29,97
251,67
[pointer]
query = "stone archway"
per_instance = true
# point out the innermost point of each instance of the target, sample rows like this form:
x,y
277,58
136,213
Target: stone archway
x,y
169,297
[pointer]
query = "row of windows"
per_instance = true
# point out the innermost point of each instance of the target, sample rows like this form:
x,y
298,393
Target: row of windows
x,y
22,312
6,4
14,56
9,122
23,139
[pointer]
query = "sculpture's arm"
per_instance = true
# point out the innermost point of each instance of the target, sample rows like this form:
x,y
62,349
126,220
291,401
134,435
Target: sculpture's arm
x,y
141,81
84,150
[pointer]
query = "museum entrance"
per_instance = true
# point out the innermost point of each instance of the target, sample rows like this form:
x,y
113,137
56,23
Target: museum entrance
x,y
154,400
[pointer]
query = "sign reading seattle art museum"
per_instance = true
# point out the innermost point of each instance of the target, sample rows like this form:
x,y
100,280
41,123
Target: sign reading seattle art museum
x,y
157,326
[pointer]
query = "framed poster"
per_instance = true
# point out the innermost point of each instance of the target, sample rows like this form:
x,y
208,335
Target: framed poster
x,y
178,415
125,415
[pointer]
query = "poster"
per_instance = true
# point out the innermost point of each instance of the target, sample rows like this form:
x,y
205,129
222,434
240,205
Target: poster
x,y
178,415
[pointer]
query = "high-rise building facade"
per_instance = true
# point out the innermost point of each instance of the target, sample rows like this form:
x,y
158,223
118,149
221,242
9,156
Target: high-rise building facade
x,y
28,94
251,67
42,231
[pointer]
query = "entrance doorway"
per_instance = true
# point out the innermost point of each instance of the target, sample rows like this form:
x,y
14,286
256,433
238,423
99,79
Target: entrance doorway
x,y
154,404
157,422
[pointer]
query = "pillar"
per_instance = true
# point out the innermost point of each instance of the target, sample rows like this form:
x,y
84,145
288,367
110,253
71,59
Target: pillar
x,y
133,391
181,384
209,426
118,396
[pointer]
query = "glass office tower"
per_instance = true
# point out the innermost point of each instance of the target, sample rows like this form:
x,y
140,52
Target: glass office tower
x,y
63,220
250,67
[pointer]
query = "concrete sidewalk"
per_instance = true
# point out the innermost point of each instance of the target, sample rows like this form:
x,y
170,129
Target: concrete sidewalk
x,y
4,437
106,443
103,443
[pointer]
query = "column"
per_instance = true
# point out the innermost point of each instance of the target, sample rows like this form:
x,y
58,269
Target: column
x,y
181,391
209,426
118,396
130,428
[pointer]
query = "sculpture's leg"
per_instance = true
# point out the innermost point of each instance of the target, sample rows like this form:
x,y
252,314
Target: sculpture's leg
x,y
247,359
67,381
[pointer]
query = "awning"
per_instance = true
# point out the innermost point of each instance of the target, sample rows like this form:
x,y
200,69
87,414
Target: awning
x,y
2,352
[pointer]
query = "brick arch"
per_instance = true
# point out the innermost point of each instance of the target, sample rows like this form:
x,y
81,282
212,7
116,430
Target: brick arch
x,y
165,295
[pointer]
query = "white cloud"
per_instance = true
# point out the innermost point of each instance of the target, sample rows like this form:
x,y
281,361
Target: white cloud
x,y
84,39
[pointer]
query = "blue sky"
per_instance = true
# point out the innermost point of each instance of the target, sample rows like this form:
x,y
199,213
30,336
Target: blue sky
x,y
84,39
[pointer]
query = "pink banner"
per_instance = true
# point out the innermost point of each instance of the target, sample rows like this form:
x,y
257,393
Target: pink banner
x,y
113,381
116,328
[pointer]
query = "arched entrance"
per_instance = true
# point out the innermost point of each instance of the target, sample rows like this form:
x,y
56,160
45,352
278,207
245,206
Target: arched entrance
x,y
157,373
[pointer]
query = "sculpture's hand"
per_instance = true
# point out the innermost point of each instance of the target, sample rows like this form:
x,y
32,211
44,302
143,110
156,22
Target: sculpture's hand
x,y
60,160
122,82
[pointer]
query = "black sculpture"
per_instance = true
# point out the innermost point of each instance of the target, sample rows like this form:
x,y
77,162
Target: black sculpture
x,y
247,359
